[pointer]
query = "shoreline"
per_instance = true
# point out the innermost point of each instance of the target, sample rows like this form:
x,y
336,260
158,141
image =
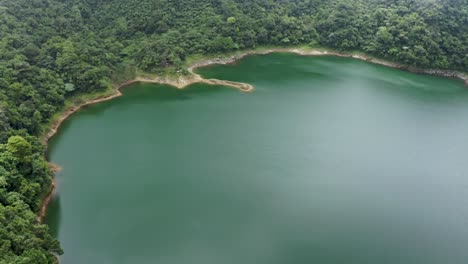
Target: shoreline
x,y
184,81
316,52
50,194
47,200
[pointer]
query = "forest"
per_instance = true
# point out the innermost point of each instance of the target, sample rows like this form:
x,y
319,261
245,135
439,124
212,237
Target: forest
x,y
53,50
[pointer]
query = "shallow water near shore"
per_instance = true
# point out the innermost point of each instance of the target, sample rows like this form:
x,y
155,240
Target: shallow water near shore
x,y
329,160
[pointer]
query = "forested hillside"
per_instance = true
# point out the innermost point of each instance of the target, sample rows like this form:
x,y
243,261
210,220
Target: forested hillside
x,y
51,50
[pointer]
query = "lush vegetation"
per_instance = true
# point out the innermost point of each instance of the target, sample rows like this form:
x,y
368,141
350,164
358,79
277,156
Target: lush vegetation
x,y
53,50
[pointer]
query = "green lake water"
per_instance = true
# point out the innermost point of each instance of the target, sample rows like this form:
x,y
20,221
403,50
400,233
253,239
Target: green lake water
x,y
329,161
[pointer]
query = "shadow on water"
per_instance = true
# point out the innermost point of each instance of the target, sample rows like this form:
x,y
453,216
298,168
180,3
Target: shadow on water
x,y
290,69
53,216
150,93
54,140
142,93
165,93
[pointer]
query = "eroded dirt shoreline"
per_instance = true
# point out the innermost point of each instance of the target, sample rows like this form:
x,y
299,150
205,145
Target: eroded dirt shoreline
x,y
184,81
47,200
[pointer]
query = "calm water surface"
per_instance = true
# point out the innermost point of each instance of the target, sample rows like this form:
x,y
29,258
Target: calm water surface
x,y
329,161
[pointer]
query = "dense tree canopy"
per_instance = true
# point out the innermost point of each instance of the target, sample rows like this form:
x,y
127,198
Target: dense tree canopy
x,y
53,49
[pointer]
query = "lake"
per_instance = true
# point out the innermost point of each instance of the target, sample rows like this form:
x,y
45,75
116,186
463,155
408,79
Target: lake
x,y
330,160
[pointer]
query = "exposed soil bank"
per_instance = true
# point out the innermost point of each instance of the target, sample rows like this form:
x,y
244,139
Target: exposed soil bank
x,y
50,194
184,81
47,201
